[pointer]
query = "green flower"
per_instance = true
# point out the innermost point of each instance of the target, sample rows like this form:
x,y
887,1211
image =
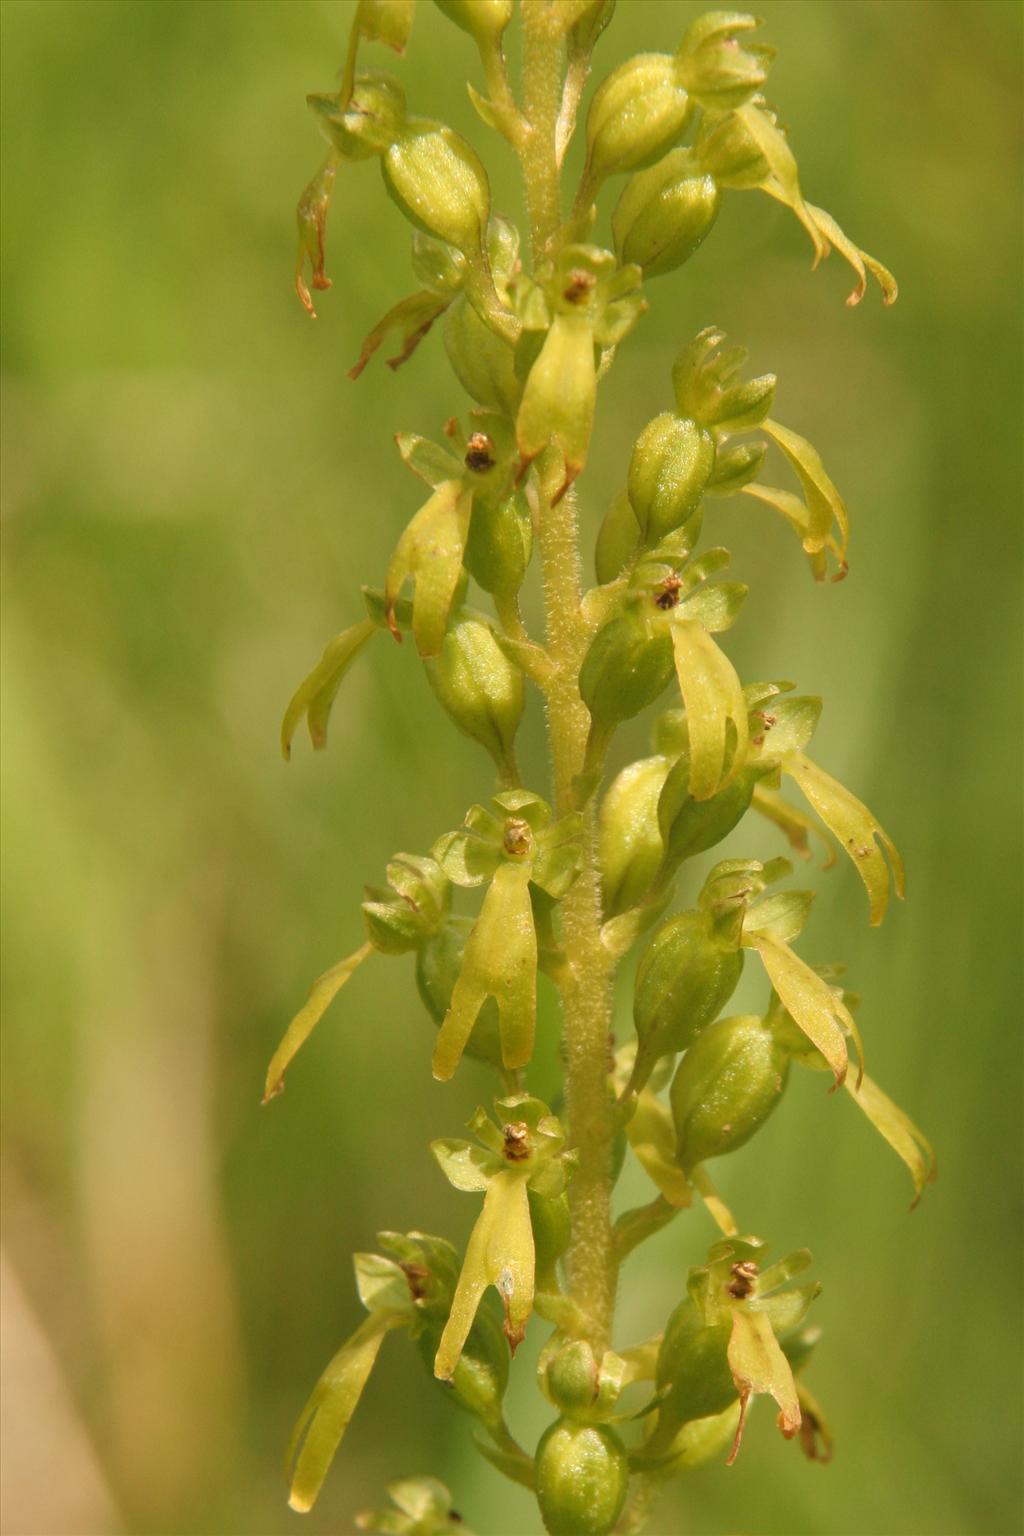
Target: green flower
x,y
513,847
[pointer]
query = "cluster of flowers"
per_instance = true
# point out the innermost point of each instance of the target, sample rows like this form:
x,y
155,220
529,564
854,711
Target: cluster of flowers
x,y
530,349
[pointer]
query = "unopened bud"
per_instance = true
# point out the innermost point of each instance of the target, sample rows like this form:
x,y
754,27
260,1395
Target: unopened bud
x,y
630,842
686,976
582,1472
479,688
665,213
439,183
638,113
628,665
571,1377
500,544
672,461
617,539
484,20
727,1085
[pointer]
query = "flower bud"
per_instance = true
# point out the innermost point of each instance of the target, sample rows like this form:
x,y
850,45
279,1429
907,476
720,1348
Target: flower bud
x,y
484,20
571,1377
671,464
628,665
582,1473
665,213
712,65
689,826
693,1360
630,842
500,544
727,1085
479,688
617,539
439,182
438,965
422,897
686,975
481,361
370,121
638,113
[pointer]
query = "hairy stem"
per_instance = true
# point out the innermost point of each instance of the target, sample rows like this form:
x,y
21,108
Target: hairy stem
x,y
542,101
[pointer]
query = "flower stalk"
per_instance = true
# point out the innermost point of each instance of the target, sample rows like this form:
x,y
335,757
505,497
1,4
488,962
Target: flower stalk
x,y
581,882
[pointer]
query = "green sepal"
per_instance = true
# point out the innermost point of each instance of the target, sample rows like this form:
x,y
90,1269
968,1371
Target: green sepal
x,y
325,1418
735,467
365,124
704,387
431,550
429,461
315,695
785,725
783,914
322,993
421,901
855,829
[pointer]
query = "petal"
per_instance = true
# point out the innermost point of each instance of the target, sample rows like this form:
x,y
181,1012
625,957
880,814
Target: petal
x,y
324,1419
759,1366
899,1131
713,697
321,995
431,550
315,695
824,503
500,1252
854,827
812,1004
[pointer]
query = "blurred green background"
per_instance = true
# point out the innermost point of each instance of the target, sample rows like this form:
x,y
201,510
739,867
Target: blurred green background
x,y
192,492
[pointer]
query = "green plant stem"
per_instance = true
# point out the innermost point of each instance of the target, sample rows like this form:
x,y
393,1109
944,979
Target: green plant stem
x,y
585,986
542,101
